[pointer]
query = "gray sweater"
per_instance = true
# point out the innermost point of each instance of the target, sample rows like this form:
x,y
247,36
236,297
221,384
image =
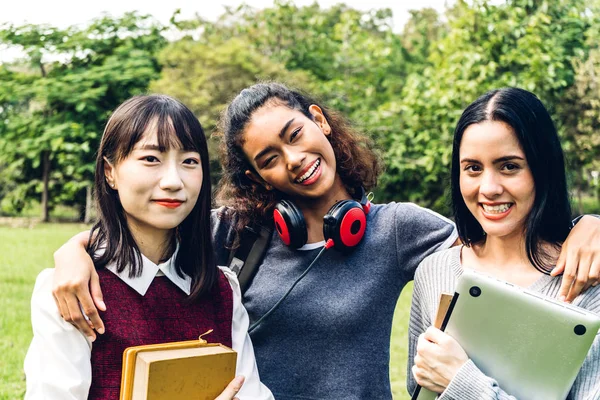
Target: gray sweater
x,y
438,273
330,339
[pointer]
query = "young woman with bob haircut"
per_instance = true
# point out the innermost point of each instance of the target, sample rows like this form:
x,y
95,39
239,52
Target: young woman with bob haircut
x,y
511,206
153,254
330,338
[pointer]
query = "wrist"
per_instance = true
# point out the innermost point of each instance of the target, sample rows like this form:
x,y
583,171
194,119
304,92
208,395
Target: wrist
x,y
81,239
579,217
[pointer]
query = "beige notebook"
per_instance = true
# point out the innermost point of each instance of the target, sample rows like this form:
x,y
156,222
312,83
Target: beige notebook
x,y
445,301
177,371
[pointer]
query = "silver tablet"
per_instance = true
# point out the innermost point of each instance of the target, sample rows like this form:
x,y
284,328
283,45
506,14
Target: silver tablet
x,y
532,345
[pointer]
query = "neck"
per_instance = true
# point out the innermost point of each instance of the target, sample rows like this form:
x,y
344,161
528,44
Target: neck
x,y
153,243
315,209
504,258
503,250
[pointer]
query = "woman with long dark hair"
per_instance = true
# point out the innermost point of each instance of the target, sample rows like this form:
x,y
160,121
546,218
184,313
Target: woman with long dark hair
x,y
511,205
153,253
292,163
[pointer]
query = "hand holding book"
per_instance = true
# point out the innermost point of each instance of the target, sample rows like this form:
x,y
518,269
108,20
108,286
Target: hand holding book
x,y
232,389
180,370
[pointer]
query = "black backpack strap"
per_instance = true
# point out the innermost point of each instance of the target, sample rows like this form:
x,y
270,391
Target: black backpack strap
x,y
245,259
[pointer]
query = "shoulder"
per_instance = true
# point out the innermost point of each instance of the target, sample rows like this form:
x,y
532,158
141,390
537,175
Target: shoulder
x,y
43,284
45,316
589,300
222,215
439,264
223,221
411,214
232,279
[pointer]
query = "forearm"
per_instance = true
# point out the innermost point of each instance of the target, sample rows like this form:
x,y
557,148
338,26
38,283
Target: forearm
x,y
472,384
587,383
82,239
420,320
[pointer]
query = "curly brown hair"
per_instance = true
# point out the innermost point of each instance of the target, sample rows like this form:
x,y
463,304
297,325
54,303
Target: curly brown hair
x,y
358,165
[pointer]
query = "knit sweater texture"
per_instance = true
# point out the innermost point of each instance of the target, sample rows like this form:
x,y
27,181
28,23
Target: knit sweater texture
x,y
438,273
161,315
330,339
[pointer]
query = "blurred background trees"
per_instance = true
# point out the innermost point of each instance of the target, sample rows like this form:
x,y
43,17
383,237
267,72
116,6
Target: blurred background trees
x,y
406,89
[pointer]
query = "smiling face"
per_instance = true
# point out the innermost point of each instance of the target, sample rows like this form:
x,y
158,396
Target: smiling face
x,y
157,189
496,182
290,151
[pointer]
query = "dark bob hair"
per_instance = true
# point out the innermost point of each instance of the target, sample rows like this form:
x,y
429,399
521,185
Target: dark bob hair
x,y
176,126
550,216
357,163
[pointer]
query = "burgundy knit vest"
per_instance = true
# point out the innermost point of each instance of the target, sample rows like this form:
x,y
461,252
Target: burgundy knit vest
x,y
162,315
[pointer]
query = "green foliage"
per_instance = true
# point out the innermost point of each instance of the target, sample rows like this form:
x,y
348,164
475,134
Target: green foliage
x,y
406,90
518,43
24,252
349,59
206,75
55,102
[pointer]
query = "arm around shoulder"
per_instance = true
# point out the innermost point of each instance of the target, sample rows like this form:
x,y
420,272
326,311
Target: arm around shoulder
x,y
419,233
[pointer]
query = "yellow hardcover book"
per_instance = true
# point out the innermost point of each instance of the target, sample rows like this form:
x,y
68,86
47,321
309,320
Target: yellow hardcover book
x,y
179,370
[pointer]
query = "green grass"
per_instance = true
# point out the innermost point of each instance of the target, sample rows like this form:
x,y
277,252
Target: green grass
x,y
24,252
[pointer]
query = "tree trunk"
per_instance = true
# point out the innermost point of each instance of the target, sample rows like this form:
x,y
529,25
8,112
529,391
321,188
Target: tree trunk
x,y
88,204
45,180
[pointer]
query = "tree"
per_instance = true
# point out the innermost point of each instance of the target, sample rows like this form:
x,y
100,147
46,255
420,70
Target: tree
x,y
530,44
207,75
65,89
579,112
351,60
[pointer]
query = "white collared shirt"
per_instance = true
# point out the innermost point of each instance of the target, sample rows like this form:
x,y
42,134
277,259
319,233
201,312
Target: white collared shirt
x,y
57,364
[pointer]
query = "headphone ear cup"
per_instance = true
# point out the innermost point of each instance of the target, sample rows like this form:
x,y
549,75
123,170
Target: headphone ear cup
x,y
290,224
345,224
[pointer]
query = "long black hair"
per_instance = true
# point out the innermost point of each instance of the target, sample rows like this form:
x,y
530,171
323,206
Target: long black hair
x,y
550,217
111,240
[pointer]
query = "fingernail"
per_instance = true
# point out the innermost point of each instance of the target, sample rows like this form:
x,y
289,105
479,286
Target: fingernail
x,y
562,298
102,305
91,338
595,284
101,330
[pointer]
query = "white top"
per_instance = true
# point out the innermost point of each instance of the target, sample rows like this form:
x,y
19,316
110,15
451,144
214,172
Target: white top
x,y
57,364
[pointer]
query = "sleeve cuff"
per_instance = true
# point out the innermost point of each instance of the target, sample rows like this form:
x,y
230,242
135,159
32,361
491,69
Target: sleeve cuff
x,y
469,384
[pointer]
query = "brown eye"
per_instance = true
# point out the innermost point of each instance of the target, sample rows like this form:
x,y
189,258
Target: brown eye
x,y
511,167
268,161
295,133
191,161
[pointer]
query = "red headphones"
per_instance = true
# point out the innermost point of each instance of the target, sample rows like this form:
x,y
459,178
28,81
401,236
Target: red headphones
x,y
344,223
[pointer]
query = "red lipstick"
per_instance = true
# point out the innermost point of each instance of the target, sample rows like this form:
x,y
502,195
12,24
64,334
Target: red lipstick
x,y
169,203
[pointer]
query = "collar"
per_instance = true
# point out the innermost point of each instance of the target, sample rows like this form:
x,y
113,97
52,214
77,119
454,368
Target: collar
x,y
149,271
